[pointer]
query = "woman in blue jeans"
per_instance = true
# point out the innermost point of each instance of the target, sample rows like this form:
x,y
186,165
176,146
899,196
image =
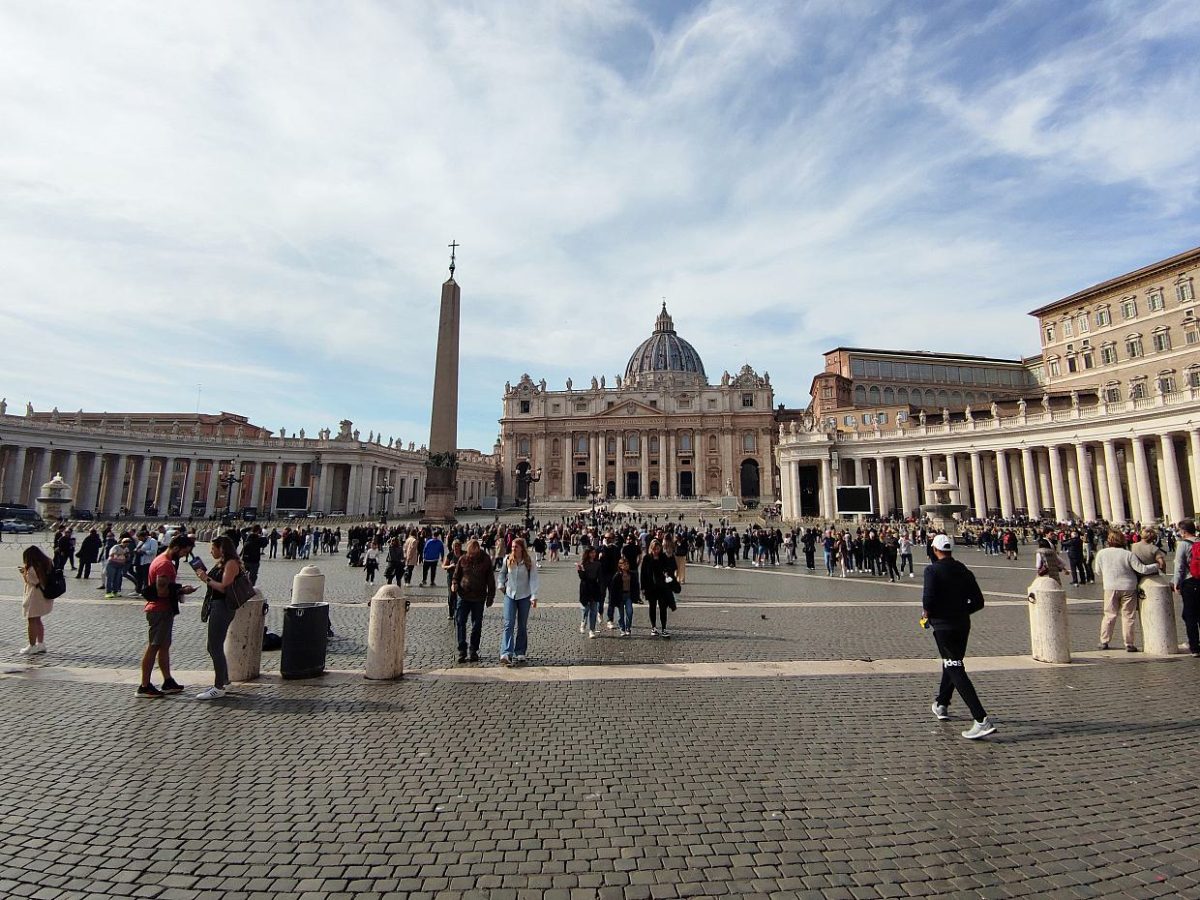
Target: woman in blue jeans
x,y
623,592
519,581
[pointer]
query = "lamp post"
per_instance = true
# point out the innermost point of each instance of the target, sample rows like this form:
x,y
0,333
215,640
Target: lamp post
x,y
527,478
593,491
230,478
384,490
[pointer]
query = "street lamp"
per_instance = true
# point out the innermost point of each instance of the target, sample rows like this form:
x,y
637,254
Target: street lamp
x,y
232,477
527,478
384,490
593,491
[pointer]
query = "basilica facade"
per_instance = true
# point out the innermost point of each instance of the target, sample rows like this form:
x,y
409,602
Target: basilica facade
x,y
661,431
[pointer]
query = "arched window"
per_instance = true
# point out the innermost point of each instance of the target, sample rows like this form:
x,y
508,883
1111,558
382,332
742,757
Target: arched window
x,y
712,443
581,443
685,441
653,444
889,395
748,442
633,443
873,396
523,446
943,398
956,398
930,400
554,447
860,395
902,395
610,447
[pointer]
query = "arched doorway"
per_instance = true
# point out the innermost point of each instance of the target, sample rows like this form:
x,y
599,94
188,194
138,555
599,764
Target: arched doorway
x,y
522,485
686,487
581,480
654,489
750,478
633,484
610,490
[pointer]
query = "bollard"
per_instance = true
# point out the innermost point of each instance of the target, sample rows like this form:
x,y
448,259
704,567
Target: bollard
x,y
308,586
385,633
243,643
1049,634
1157,610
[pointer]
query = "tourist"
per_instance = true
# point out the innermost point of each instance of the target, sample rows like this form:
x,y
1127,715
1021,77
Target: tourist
x,y
474,584
1119,570
950,597
35,573
89,553
114,569
681,557
1047,562
655,579
591,590
251,552
412,555
623,591
371,563
904,546
452,557
519,581
217,612
160,610
393,566
431,558
1188,584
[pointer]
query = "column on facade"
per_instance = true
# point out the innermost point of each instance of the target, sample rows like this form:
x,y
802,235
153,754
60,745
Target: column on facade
x,y
886,501
15,489
1112,472
620,476
926,476
71,475
859,477
727,476
1131,480
1141,472
1029,477
594,443
1071,477
1062,506
115,483
1172,487
141,483
1004,484
162,493
979,497
958,495
42,473
210,494
672,463
1044,485
785,490
644,463
990,493
188,491
1101,483
256,468
827,505
907,498
1087,496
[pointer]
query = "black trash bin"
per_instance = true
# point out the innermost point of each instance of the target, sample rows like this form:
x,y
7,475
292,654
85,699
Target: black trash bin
x,y
305,638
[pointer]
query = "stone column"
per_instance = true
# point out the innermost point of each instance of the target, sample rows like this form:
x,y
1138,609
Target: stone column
x,y
644,463
71,476
141,485
1029,476
1102,500
980,495
826,489
1005,484
1141,472
952,477
859,475
785,490
991,496
886,501
1172,488
162,497
620,477
727,473
926,475
189,488
256,487
594,441
907,503
210,497
1087,498
672,461
16,481
1044,485
1062,506
115,483
42,473
1072,477
1113,474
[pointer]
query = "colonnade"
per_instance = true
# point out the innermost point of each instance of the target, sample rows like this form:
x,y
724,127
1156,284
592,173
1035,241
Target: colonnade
x,y
1121,478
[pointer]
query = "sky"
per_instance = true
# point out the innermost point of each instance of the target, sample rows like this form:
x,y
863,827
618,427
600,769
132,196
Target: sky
x,y
247,206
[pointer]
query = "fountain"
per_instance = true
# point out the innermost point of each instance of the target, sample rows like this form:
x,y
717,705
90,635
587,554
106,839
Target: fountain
x,y
941,511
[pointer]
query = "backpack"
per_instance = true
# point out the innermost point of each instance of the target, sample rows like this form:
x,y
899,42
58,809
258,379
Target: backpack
x,y
55,586
1194,561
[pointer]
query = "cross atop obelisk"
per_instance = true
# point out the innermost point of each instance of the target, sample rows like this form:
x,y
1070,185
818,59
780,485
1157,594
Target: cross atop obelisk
x,y
441,467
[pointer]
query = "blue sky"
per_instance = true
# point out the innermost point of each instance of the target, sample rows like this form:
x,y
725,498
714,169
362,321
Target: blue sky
x,y
257,198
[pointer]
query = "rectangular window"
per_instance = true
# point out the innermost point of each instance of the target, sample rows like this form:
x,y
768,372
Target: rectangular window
x,y
524,406
747,400
939,374
1088,361
885,369
1166,384
1055,371
1154,300
858,368
1048,335
1184,291
1082,322
1162,341
882,418
654,404
1193,378
1103,317
685,442
1129,308
1137,390
848,421
1068,328
867,418
556,407
748,442
685,404
872,368
1108,355
581,406
1071,366
1133,348
1192,336
1112,394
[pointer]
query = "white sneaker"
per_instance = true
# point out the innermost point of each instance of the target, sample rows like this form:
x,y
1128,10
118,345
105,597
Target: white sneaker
x,y
582,629
520,659
591,634
213,693
979,730
942,713
27,651
37,648
654,632
609,625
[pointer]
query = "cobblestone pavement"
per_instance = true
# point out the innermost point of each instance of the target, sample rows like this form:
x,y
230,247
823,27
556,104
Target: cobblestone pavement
x,y
826,786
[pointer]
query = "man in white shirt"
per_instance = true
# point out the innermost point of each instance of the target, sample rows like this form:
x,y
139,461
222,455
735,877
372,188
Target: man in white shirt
x,y
147,549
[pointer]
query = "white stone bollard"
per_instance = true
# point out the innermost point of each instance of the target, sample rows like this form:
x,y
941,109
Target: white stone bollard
x,y
385,633
1157,609
308,586
1049,633
243,642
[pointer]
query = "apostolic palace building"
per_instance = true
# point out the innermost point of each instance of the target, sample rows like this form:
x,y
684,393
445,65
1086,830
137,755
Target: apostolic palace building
x,y
1103,422
188,464
660,431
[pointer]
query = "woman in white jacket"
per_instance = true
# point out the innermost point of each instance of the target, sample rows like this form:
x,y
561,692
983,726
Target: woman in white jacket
x,y
1119,570
519,581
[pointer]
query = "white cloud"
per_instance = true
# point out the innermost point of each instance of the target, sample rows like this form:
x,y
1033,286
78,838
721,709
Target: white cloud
x,y
258,196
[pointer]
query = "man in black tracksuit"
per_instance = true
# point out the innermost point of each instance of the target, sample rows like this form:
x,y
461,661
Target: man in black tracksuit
x,y
951,595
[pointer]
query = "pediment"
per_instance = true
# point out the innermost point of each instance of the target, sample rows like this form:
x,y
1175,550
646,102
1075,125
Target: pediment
x,y
631,408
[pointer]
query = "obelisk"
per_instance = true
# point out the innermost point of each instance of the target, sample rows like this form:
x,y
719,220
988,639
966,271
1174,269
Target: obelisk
x,y
441,467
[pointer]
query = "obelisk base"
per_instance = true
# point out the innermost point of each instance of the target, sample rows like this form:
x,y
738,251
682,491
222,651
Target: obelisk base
x,y
441,491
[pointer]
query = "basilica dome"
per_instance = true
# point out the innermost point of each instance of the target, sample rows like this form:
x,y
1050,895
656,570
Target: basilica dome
x,y
664,353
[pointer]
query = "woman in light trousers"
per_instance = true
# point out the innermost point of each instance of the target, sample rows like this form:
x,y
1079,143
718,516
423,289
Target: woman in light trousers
x,y
519,582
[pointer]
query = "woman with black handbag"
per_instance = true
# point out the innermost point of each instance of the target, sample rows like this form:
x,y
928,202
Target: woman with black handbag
x,y
34,573
219,609
659,586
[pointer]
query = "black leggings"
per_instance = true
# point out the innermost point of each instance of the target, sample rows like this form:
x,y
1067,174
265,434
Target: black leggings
x,y
658,605
952,645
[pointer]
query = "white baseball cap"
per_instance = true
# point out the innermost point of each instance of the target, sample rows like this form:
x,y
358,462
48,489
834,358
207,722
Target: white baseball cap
x,y
943,543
